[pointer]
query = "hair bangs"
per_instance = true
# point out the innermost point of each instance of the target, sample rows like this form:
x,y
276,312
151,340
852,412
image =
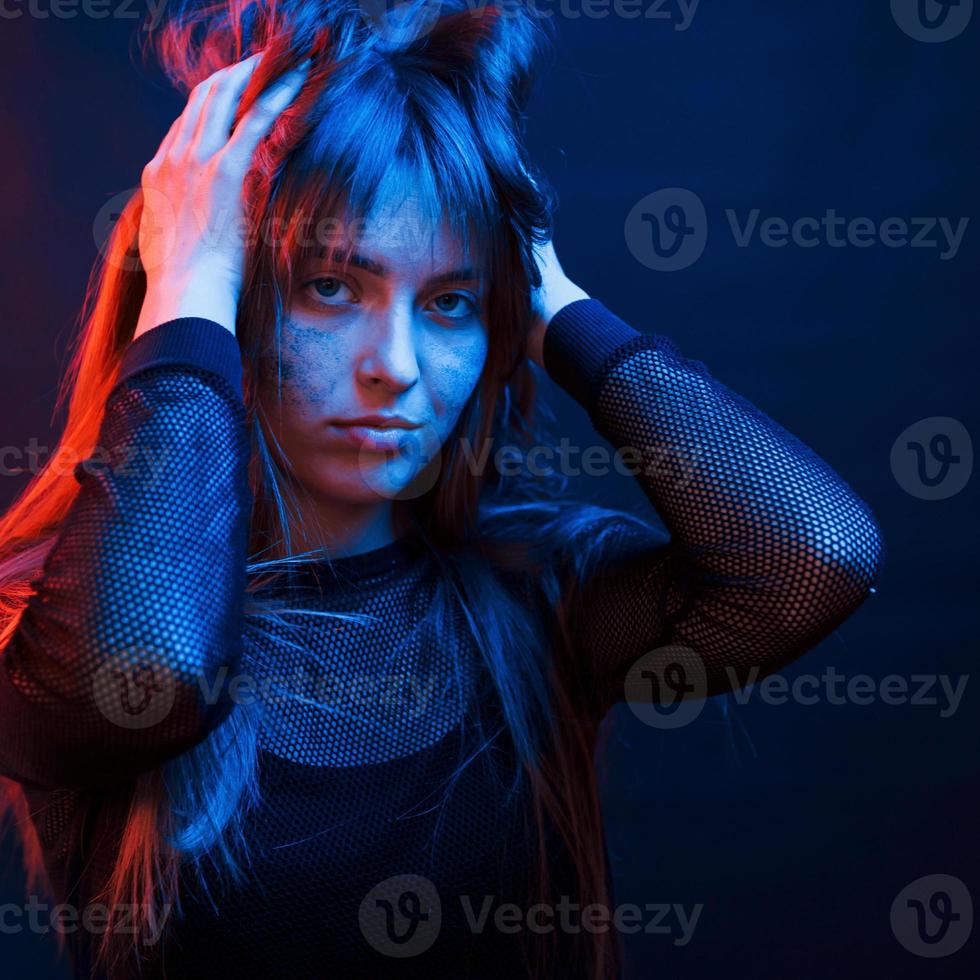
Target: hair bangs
x,y
380,141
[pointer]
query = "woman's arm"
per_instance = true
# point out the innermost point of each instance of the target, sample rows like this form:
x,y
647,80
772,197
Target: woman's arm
x,y
769,548
140,603
137,615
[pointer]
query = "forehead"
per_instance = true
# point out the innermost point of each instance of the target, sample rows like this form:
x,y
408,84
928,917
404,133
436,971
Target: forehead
x,y
403,237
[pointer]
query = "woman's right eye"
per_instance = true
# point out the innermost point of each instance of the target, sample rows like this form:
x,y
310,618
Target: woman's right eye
x,y
326,288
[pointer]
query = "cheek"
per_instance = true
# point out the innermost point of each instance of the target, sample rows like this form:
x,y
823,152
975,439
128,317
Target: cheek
x,y
309,372
455,369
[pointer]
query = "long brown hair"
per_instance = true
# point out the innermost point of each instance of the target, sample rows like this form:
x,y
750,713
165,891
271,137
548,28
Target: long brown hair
x,y
445,106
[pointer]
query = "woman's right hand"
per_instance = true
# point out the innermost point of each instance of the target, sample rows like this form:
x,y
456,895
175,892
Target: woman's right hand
x,y
192,235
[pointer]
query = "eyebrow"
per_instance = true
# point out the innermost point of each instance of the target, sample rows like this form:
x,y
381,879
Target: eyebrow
x,y
464,274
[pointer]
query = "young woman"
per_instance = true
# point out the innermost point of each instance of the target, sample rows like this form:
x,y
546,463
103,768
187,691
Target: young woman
x,y
300,675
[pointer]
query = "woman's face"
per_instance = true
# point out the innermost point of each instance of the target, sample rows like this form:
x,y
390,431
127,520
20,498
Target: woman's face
x,y
402,334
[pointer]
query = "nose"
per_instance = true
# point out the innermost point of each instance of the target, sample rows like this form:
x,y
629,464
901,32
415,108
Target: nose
x,y
388,358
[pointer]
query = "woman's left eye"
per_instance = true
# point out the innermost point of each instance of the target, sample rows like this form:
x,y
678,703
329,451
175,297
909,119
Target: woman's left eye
x,y
456,305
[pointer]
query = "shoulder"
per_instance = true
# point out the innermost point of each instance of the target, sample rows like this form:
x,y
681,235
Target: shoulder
x,y
540,549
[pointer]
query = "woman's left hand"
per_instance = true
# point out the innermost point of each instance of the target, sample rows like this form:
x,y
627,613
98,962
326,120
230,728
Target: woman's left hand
x,y
556,291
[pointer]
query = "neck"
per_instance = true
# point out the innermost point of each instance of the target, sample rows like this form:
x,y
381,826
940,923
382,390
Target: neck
x,y
341,528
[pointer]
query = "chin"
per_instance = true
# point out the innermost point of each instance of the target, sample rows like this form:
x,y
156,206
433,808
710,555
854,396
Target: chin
x,y
365,478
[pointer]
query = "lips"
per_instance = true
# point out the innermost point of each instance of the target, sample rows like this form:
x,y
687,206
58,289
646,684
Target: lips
x,y
372,438
379,421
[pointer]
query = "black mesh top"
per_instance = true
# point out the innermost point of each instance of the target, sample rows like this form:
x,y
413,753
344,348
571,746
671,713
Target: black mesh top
x,y
768,551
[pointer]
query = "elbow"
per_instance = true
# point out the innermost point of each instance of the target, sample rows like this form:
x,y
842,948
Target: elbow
x,y
834,569
854,552
807,592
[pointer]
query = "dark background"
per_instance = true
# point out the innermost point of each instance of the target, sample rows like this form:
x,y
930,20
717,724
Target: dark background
x,y
794,825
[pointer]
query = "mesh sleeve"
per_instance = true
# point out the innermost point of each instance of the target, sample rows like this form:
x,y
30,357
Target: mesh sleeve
x,y
137,613
768,548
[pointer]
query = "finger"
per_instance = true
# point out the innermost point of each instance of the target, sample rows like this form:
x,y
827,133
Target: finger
x,y
187,122
218,111
260,117
191,117
198,97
